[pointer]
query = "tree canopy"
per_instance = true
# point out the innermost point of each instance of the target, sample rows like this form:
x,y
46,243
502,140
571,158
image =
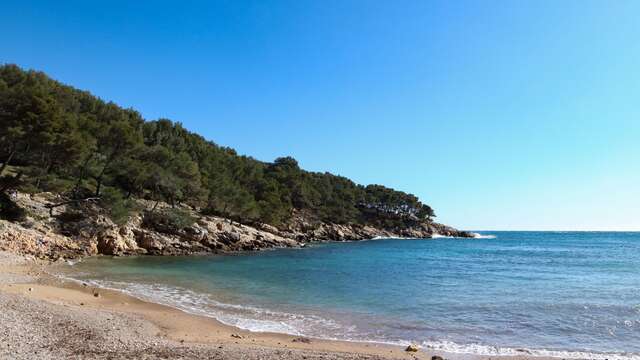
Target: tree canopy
x,y
68,141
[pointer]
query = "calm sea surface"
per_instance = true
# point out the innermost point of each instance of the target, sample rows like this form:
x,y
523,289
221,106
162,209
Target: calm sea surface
x,y
572,294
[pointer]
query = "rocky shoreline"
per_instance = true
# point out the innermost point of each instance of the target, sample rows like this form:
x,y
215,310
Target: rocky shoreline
x,y
54,235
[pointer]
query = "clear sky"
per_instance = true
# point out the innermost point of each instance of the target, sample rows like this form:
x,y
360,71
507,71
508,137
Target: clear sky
x,y
499,114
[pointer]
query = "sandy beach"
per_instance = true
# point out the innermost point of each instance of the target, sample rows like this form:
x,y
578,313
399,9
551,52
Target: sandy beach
x,y
45,317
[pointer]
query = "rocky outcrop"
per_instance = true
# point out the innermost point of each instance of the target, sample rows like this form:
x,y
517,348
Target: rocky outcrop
x,y
21,239
302,229
211,234
90,232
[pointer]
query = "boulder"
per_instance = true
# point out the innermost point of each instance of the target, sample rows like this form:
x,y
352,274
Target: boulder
x,y
114,240
269,228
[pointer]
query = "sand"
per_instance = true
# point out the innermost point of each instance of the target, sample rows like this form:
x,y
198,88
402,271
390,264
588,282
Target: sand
x,y
44,317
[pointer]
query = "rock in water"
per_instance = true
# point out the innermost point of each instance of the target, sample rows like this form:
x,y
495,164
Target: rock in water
x,y
412,348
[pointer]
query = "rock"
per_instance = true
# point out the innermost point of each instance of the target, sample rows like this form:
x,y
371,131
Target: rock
x,y
30,289
96,294
115,240
412,348
269,228
236,336
436,357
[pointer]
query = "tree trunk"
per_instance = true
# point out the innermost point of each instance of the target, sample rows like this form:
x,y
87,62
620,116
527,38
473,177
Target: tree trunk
x,y
81,176
104,169
8,160
99,179
99,185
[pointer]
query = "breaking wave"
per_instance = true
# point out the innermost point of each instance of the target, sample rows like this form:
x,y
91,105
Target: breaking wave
x,y
485,350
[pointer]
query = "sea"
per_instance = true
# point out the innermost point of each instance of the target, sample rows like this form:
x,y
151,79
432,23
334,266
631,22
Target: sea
x,y
566,294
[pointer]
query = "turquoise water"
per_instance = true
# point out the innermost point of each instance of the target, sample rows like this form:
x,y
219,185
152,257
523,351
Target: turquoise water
x,y
572,294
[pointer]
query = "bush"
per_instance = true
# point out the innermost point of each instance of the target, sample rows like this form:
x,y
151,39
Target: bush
x,y
70,216
118,208
9,210
55,185
170,221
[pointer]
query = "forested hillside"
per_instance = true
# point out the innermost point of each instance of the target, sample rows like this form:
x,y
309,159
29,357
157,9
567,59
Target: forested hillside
x,y
59,139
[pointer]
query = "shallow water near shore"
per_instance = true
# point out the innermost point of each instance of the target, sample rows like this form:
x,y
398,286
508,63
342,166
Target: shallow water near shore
x,y
567,294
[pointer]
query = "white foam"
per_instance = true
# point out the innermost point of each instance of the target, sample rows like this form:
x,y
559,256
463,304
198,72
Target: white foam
x,y
258,319
438,236
481,236
485,350
242,316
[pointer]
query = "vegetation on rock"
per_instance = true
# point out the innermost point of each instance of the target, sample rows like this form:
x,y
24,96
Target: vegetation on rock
x,y
63,140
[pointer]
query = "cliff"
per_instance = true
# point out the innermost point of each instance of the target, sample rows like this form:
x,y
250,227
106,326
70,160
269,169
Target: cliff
x,y
83,230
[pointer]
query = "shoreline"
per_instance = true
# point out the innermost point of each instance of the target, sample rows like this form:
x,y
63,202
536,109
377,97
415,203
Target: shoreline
x,y
174,326
182,329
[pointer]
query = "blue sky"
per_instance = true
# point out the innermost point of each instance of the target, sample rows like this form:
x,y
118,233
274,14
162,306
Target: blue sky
x,y
499,114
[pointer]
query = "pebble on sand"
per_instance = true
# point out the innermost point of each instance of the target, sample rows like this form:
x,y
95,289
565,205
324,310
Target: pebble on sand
x,y
412,348
303,340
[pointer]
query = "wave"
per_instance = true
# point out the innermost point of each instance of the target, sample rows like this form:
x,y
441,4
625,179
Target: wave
x,y
486,350
382,238
438,236
482,236
257,319
475,236
246,317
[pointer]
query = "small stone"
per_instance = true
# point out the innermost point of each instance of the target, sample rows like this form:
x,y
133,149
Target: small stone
x,y
436,357
236,336
302,340
30,289
412,348
95,294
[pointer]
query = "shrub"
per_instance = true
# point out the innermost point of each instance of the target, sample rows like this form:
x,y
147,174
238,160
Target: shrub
x,y
70,216
9,210
169,221
55,185
118,208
